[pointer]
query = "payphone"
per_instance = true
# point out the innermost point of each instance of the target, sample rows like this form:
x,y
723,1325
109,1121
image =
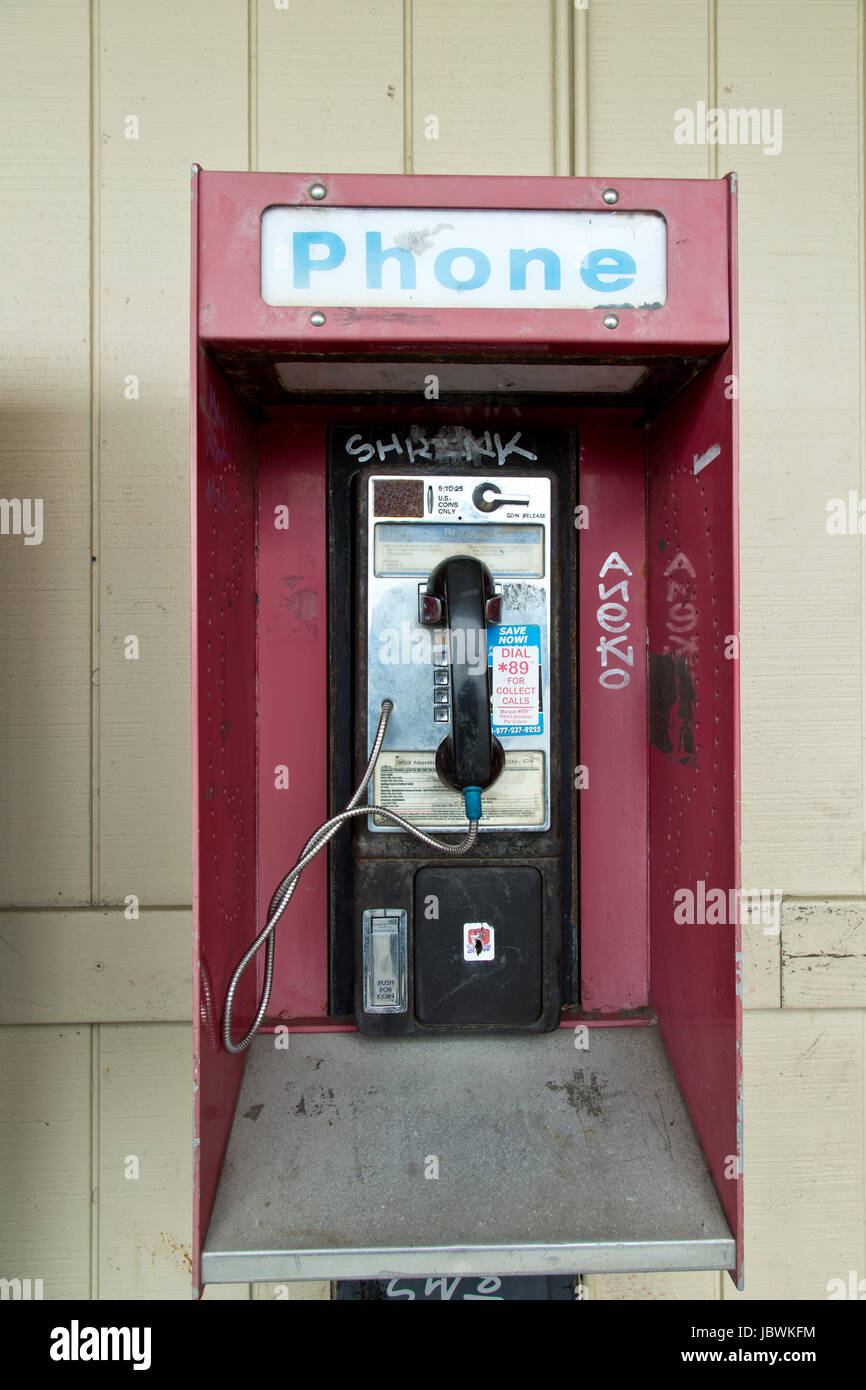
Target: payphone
x,y
463,576
450,581
464,486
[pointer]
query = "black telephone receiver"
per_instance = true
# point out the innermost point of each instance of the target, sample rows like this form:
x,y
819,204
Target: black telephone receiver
x,y
461,596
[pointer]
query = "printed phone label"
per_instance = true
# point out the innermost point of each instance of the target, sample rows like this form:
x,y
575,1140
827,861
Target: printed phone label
x,y
514,658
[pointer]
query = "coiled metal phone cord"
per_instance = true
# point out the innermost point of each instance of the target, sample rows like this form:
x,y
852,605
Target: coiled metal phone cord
x,y
283,894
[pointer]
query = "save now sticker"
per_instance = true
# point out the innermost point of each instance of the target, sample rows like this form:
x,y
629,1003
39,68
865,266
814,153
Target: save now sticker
x,y
513,653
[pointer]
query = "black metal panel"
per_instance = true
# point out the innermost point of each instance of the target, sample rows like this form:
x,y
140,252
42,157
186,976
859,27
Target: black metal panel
x,y
503,985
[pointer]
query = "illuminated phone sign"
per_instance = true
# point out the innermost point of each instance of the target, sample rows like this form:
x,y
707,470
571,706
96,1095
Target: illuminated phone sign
x,y
442,258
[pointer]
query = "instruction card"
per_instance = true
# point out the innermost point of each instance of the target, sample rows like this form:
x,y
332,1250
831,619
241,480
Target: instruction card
x,y
409,784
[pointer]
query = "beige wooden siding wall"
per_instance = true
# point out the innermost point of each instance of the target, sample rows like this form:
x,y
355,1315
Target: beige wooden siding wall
x,y
93,392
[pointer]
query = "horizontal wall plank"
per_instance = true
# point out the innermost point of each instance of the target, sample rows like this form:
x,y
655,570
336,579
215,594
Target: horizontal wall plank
x,y
96,965
824,954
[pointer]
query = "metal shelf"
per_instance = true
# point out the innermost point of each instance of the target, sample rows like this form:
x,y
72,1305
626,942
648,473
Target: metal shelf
x,y
549,1159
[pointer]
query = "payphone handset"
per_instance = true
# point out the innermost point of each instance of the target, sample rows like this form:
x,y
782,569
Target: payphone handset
x,y
458,636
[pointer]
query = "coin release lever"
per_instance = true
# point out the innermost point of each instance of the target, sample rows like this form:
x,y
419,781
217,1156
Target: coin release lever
x,y
487,497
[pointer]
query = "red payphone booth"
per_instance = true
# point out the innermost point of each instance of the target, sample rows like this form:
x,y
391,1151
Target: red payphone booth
x,y
464,586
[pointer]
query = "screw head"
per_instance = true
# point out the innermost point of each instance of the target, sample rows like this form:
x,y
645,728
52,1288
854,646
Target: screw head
x,y
610,321
317,191
317,319
610,195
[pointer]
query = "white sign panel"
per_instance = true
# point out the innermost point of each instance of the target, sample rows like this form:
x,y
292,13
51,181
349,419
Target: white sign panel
x,y
442,258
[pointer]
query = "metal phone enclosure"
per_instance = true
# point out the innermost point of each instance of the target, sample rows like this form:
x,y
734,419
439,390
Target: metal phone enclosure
x,y
488,940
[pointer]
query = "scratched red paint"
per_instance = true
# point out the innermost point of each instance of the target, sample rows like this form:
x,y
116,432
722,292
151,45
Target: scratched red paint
x,y
695,810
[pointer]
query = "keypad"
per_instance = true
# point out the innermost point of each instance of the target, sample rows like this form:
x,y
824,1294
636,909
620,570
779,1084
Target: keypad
x,y
441,696
441,680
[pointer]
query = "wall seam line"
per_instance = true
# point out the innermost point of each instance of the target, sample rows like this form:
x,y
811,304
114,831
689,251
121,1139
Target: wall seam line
x,y
408,88
861,119
94,1161
252,87
95,473
712,80
580,89
563,89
